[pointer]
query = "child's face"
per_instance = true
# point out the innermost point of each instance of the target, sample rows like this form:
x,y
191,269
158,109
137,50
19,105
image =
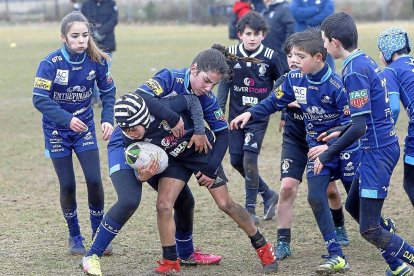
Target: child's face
x,y
251,39
308,64
203,82
136,132
77,37
381,56
331,46
291,61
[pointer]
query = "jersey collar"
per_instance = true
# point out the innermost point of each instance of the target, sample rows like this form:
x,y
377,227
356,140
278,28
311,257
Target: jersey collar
x,y
353,55
243,52
72,57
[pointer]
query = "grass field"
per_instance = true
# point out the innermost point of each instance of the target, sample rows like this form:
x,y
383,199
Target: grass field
x,y
33,235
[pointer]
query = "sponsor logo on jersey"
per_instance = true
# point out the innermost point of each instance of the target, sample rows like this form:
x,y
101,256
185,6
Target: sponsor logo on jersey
x,y
249,101
154,86
179,80
244,89
248,81
164,125
346,110
349,166
237,66
326,99
76,68
262,69
62,77
219,115
179,149
43,84
278,92
358,98
169,141
73,94
91,75
300,93
56,59
109,78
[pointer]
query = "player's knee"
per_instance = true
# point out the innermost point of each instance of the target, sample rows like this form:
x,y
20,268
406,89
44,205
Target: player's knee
x,y
164,206
129,204
185,203
315,201
376,236
288,190
236,162
226,205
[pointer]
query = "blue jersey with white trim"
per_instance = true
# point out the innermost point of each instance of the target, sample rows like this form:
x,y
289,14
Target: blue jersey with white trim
x,y
365,86
170,82
70,84
252,82
399,77
322,99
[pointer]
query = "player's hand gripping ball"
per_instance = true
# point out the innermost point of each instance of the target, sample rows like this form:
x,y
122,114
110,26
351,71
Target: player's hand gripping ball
x,y
139,154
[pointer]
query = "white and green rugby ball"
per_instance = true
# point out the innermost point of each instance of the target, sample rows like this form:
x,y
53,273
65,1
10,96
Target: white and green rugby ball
x,y
139,154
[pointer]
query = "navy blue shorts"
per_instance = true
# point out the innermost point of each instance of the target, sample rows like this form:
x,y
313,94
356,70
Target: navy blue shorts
x,y
375,170
293,159
59,143
248,138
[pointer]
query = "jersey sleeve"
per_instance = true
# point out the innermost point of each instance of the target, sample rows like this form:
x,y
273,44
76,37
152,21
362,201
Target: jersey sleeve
x,y
107,90
358,89
45,75
393,90
159,85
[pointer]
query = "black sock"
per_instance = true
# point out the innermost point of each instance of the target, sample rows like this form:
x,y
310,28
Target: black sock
x,y
283,235
169,252
338,217
257,240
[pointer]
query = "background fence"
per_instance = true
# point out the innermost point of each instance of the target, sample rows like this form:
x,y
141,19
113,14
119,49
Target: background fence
x,y
194,11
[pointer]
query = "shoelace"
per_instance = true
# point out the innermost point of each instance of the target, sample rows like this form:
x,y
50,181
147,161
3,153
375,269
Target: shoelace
x,y
266,256
94,262
78,240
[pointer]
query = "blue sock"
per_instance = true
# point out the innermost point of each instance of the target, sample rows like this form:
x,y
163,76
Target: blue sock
x,y
185,246
333,247
392,262
95,215
72,222
400,249
107,231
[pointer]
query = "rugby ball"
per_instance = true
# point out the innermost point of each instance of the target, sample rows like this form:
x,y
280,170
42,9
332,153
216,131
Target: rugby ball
x,y
139,154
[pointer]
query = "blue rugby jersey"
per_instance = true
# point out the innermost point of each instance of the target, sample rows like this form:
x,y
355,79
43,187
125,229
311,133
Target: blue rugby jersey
x,y
322,99
252,82
170,82
399,77
68,80
365,86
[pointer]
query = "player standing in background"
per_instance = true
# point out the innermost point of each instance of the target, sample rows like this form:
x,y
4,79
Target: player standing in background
x,y
320,94
371,121
293,159
250,83
394,46
62,93
207,70
103,17
311,13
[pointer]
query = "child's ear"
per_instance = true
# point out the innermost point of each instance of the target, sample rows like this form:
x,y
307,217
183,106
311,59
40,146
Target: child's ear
x,y
240,35
319,57
336,42
63,38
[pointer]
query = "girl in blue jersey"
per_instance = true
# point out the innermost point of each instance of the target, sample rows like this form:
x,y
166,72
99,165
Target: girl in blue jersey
x,y
371,121
250,83
322,99
62,93
394,46
207,69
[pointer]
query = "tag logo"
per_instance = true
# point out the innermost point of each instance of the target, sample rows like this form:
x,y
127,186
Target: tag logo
x,y
358,98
